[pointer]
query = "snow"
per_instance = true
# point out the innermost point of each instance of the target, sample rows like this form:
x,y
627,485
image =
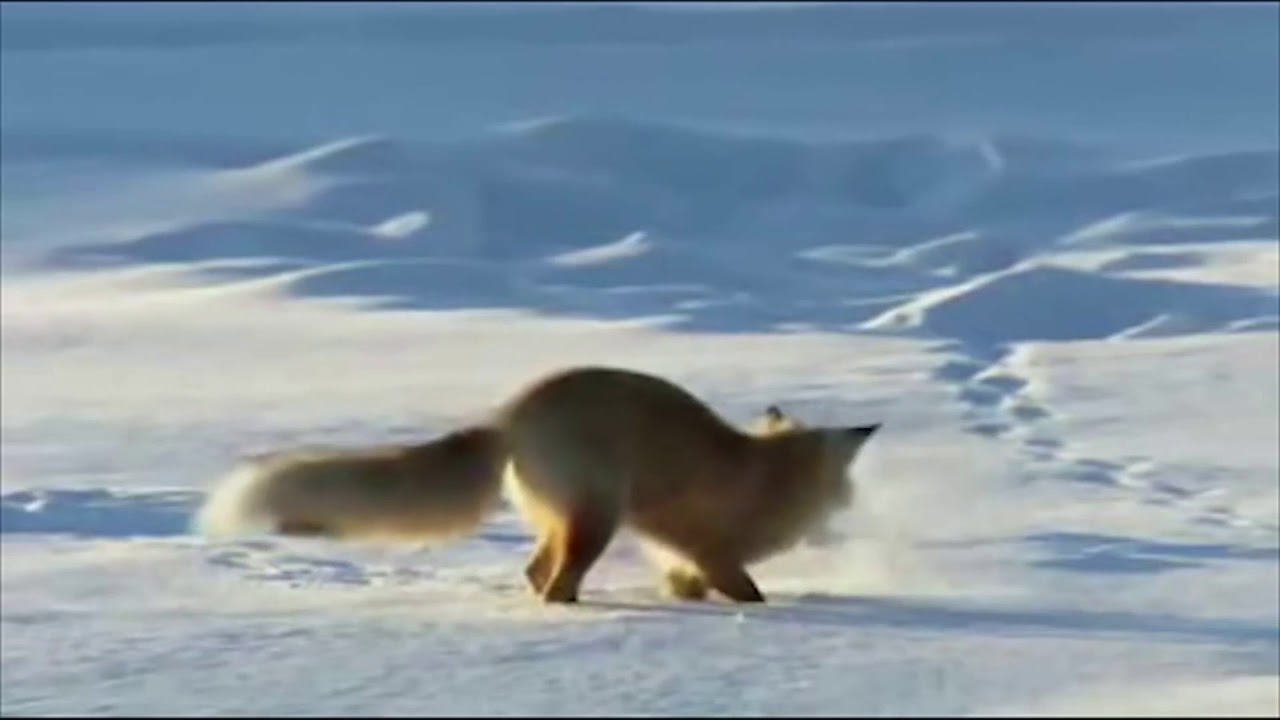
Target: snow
x,y
628,247
402,226
1049,269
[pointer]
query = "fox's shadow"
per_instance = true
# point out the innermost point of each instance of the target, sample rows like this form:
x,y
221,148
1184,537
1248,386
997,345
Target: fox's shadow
x,y
940,616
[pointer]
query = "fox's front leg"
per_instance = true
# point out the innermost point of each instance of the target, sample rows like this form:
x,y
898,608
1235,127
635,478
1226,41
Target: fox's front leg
x,y
684,584
732,580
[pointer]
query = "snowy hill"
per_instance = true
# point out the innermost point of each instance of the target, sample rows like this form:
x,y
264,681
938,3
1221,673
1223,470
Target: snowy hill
x,y
1039,243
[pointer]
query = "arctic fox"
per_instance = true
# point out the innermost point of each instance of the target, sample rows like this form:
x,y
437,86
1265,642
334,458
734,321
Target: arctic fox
x,y
581,453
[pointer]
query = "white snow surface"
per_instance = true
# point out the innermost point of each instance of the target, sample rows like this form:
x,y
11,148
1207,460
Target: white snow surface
x,y
1038,242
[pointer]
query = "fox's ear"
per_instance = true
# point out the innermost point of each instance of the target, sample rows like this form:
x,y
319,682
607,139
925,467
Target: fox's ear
x,y
863,432
852,439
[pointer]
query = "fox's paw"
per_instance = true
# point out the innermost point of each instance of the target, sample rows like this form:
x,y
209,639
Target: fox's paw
x,y
685,586
559,596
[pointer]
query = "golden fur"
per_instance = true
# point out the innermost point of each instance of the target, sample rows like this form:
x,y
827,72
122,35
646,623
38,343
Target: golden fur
x,y
582,453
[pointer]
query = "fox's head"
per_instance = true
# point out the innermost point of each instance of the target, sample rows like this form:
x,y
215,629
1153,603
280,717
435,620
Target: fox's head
x,y
840,447
849,439
843,445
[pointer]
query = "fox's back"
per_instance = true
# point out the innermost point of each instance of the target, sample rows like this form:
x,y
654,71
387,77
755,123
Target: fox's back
x,y
605,417
622,404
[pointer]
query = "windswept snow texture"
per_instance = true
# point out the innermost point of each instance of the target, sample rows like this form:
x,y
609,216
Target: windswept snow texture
x,y
1038,242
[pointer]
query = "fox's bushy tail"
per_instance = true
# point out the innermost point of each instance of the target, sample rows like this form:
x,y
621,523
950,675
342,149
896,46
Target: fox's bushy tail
x,y
432,491
231,507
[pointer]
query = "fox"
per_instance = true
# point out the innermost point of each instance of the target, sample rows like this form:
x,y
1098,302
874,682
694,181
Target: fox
x,y
581,454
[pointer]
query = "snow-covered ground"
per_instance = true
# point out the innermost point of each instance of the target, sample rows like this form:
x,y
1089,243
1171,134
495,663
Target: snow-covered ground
x,y
1038,242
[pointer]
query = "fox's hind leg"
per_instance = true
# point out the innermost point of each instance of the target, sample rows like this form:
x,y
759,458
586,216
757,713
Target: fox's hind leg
x,y
559,490
570,540
576,549
539,568
545,522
